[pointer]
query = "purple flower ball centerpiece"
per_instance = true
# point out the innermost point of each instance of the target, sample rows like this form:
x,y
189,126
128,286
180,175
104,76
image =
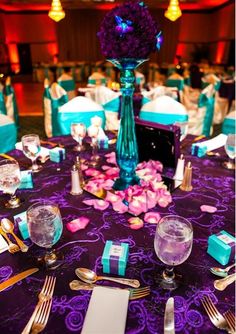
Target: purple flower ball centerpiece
x,y
128,34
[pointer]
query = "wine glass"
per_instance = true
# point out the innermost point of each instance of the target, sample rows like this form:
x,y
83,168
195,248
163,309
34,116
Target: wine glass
x,y
93,134
31,148
78,132
45,229
230,149
183,129
173,245
10,179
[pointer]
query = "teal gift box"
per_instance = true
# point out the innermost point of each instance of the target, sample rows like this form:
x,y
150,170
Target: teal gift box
x,y
57,154
115,257
21,221
221,247
26,180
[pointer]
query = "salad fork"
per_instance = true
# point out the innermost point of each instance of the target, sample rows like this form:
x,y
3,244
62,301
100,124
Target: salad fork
x,y
12,248
214,315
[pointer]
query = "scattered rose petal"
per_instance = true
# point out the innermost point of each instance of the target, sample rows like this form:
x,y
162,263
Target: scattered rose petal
x,y
111,158
84,167
88,201
208,208
152,217
92,172
135,223
77,224
120,207
100,204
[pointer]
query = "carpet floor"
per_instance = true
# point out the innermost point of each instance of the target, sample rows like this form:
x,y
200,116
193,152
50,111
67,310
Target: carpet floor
x,y
31,124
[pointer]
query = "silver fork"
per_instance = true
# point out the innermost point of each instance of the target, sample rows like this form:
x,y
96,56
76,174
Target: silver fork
x,y
12,248
216,318
230,318
44,295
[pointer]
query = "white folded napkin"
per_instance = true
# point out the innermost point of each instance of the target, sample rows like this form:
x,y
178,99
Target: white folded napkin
x,y
107,311
44,152
3,244
200,149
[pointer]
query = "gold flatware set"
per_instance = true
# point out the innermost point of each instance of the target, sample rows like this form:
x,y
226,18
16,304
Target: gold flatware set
x,y
7,227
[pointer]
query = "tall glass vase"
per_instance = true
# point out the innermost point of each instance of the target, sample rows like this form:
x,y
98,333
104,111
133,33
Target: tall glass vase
x,y
126,147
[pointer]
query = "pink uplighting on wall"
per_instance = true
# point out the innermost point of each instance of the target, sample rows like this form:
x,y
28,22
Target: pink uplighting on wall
x,y
220,52
14,58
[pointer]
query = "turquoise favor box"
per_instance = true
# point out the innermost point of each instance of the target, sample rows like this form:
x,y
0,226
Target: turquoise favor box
x,y
21,221
26,180
221,247
57,154
115,257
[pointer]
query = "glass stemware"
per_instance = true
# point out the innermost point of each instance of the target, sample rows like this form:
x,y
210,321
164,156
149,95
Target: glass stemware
x,y
173,245
31,148
230,150
93,134
10,179
78,132
45,229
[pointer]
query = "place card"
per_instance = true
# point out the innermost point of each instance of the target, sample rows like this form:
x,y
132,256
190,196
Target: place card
x,y
107,311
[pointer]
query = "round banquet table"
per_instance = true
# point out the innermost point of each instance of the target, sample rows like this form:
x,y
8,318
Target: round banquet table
x,y
212,185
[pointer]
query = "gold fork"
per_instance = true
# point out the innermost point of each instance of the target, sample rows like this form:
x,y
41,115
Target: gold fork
x,y
216,318
12,248
45,295
41,318
230,318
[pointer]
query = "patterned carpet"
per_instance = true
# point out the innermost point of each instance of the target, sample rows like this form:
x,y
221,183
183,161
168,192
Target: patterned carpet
x,y
31,124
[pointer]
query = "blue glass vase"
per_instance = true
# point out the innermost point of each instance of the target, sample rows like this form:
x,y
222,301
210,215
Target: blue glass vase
x,y
126,147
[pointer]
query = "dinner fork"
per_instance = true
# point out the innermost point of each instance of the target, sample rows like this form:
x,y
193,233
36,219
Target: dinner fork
x,y
45,295
230,318
216,318
12,248
41,318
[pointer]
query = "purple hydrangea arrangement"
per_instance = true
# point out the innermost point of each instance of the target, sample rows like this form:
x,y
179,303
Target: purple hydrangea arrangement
x,y
129,31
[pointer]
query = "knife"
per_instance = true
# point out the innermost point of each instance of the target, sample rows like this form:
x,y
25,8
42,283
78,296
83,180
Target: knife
x,y
169,319
14,279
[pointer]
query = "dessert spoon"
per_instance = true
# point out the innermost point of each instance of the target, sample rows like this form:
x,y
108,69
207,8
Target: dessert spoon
x,y
222,272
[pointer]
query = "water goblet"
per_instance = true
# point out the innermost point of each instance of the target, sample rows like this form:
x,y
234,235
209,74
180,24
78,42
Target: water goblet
x,y
78,132
173,245
10,179
45,229
31,148
93,134
230,150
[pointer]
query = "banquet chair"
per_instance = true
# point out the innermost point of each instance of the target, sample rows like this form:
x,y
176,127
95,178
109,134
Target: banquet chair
x,y
11,104
139,79
78,110
176,80
3,109
97,78
67,82
53,98
8,134
164,110
110,101
229,123
158,91
201,118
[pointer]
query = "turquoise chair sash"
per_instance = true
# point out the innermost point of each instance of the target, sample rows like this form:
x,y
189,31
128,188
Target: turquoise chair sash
x,y
10,90
187,81
94,81
112,105
208,103
68,85
66,118
3,109
179,83
162,118
8,135
56,103
229,126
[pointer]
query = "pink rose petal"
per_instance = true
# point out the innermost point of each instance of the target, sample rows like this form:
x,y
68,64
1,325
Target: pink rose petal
x,y
208,208
88,201
99,204
120,207
135,223
77,224
152,217
92,172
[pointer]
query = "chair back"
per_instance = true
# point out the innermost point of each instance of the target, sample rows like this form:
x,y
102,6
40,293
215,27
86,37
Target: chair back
x,y
8,134
11,104
229,124
3,109
68,84
97,79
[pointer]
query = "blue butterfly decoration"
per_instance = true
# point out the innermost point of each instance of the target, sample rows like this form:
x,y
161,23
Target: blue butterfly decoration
x,y
159,40
123,26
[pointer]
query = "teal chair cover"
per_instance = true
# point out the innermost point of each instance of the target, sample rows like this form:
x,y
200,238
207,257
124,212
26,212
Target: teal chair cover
x,y
229,124
179,83
164,110
11,104
208,103
3,109
187,81
78,110
8,134
95,81
68,85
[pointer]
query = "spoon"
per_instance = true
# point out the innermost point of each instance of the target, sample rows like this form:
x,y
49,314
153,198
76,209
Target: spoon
x,y
8,227
222,284
222,272
89,276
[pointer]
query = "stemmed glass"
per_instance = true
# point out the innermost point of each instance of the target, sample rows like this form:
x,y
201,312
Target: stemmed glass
x,y
93,134
31,148
10,179
230,149
78,132
173,245
45,229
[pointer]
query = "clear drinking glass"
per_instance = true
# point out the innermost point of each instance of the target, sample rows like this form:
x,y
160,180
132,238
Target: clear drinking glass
x,y
10,179
173,245
31,148
45,229
230,149
78,132
93,134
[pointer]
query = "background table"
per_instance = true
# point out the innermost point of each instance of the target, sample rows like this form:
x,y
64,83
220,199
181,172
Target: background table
x,y
212,185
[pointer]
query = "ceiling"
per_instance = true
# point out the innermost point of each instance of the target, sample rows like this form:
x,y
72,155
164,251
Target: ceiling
x,y
36,5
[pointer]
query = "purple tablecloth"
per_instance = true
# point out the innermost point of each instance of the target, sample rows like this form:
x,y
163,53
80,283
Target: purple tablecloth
x,y
212,185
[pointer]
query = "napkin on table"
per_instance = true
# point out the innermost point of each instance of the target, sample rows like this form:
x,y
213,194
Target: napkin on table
x,y
107,311
44,152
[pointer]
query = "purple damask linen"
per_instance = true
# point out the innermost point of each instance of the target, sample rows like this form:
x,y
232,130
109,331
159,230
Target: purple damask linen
x,y
212,185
